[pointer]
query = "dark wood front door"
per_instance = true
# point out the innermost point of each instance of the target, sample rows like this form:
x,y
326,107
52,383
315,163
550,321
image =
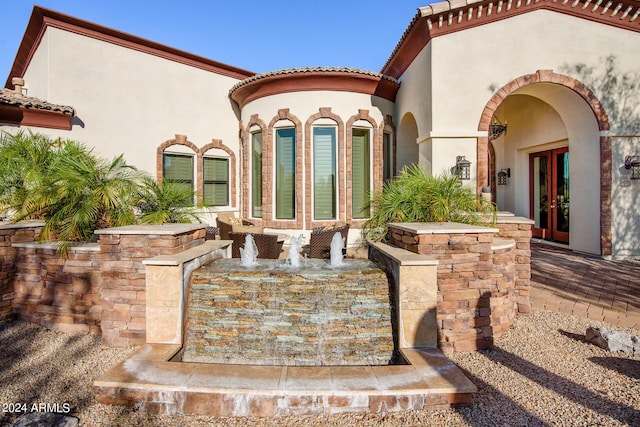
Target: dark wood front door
x,y
549,194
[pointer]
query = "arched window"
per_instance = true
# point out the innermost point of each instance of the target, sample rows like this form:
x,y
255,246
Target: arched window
x,y
361,161
178,165
325,169
256,172
215,178
285,170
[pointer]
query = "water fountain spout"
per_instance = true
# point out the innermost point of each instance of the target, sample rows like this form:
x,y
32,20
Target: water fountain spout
x,y
249,254
337,245
294,252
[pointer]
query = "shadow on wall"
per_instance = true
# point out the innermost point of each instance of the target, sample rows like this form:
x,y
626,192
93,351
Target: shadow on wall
x,y
619,94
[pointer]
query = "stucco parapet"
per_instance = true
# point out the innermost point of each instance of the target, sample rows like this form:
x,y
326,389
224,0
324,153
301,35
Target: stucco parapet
x,y
189,254
402,256
499,244
76,247
441,228
514,220
165,229
5,225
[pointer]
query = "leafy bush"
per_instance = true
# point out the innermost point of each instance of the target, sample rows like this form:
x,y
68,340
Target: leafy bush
x,y
63,183
166,203
416,196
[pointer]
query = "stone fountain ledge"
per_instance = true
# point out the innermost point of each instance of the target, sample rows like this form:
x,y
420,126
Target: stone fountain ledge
x,y
150,381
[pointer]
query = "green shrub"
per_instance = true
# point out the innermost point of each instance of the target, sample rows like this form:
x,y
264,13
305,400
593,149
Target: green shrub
x,y
416,196
166,203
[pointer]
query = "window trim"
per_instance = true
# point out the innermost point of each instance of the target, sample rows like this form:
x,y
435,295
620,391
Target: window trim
x,y
253,176
370,132
227,181
336,198
274,172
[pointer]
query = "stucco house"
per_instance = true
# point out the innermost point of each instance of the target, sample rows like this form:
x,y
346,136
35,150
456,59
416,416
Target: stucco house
x,y
540,97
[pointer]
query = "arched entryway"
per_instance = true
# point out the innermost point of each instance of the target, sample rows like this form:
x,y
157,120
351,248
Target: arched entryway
x,y
407,148
554,126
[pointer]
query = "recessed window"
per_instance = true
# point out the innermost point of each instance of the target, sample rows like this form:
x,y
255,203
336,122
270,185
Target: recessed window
x,y
360,172
324,173
256,174
285,173
387,157
215,190
178,168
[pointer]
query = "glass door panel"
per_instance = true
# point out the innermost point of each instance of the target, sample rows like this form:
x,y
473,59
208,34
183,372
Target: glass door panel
x,y
561,195
549,194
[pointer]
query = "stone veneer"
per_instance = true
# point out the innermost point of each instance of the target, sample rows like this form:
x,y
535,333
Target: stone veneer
x,y
27,231
123,288
272,314
477,275
55,292
99,287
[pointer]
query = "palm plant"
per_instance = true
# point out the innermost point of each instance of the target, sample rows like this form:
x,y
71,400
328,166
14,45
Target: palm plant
x,y
62,182
416,196
86,193
25,162
169,202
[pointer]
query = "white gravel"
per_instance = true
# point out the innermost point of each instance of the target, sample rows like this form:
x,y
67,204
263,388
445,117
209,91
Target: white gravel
x,y
540,373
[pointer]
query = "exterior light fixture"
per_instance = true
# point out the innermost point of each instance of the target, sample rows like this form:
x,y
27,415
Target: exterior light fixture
x,y
463,168
503,175
633,163
496,129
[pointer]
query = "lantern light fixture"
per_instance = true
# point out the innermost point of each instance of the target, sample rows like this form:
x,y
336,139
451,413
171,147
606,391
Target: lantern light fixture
x,y
503,176
463,168
633,163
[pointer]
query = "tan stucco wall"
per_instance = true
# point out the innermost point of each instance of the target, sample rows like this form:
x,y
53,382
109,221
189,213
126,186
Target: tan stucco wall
x,y
467,67
305,104
127,101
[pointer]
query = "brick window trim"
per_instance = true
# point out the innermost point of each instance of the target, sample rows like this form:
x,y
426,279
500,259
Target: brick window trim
x,y
199,154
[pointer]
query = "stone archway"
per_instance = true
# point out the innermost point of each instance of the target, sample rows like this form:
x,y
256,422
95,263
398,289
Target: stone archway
x,y
600,116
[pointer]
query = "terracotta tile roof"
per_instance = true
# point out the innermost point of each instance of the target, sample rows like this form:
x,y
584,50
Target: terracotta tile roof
x,y
310,70
10,97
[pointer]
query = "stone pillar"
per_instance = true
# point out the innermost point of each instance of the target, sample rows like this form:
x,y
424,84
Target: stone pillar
x,y
415,294
123,250
518,229
26,231
476,279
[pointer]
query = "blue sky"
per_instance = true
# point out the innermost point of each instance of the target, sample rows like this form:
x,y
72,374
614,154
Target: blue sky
x,y
255,35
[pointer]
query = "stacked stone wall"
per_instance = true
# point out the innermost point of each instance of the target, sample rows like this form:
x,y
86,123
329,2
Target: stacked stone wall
x,y
123,277
520,232
10,234
55,292
476,299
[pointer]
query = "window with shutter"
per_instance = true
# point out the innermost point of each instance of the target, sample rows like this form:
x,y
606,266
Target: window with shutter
x,y
178,168
215,181
360,173
285,172
387,157
256,174
324,173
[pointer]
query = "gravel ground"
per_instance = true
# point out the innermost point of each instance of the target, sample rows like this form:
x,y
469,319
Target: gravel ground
x,y
540,373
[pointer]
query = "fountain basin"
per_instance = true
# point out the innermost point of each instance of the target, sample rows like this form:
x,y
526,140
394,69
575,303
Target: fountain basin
x,y
273,314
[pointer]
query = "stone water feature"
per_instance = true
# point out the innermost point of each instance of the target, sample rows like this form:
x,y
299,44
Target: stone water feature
x,y
298,312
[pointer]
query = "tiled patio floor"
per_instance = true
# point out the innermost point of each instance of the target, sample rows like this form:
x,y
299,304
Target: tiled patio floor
x,y
586,286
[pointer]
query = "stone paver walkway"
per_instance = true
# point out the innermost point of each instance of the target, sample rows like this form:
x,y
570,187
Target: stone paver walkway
x,y
586,286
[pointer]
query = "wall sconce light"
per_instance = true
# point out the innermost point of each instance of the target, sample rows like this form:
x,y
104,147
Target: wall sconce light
x,y
463,168
633,163
503,175
496,129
